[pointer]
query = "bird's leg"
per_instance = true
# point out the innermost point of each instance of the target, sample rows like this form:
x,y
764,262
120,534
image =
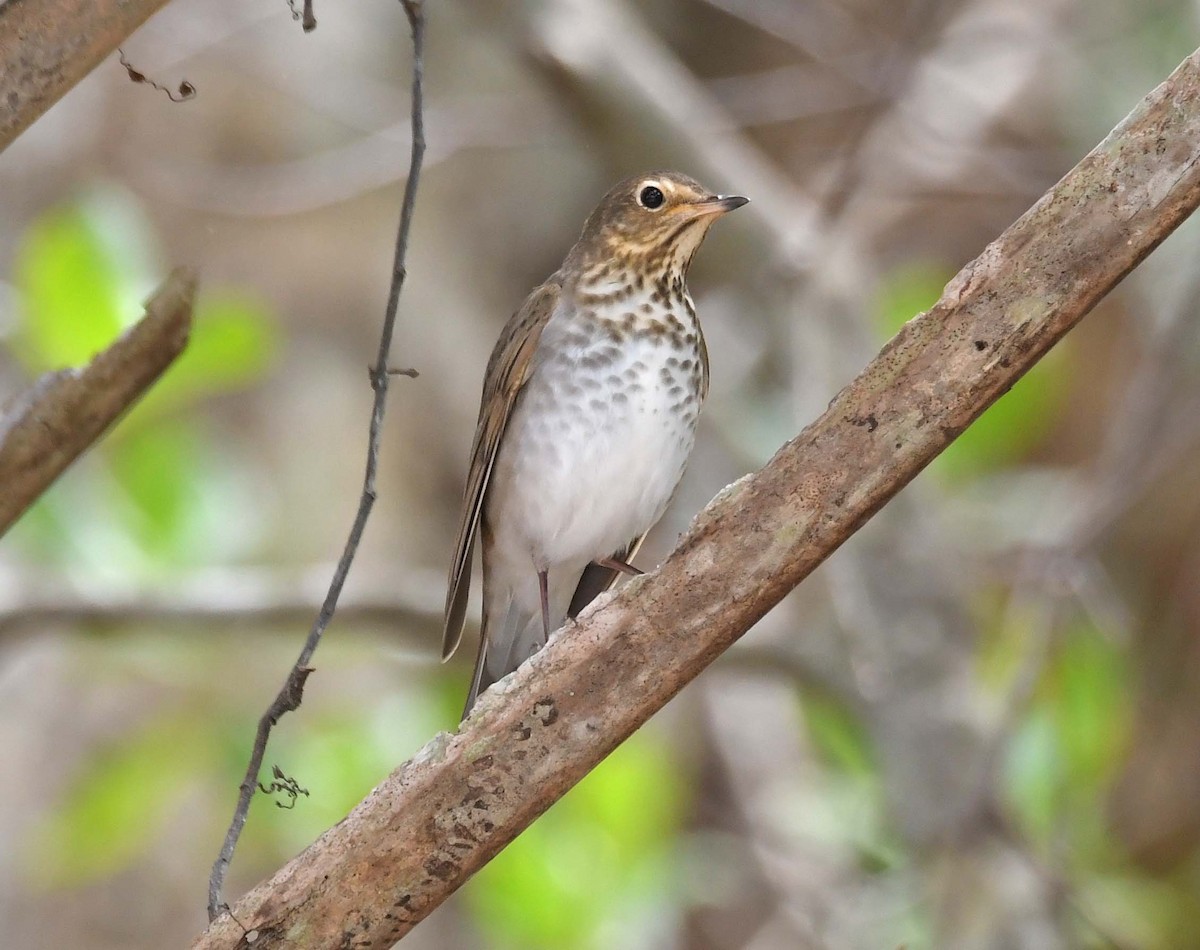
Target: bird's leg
x,y
616,564
544,591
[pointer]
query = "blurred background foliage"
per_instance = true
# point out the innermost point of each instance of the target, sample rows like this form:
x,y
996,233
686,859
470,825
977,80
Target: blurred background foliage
x,y
977,726
161,496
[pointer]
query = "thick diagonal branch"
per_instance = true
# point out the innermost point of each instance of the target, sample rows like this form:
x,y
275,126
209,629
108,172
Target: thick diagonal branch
x,y
441,816
45,429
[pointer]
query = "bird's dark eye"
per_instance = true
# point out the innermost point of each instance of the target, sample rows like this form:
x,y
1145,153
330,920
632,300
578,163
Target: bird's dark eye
x,y
651,197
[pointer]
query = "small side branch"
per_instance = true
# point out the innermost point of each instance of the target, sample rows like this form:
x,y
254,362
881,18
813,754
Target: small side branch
x,y
291,694
45,429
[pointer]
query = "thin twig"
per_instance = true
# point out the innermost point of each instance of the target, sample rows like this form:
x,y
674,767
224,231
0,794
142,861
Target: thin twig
x,y
293,688
305,17
186,89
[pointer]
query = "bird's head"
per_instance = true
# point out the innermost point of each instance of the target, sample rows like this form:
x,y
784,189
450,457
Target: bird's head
x,y
652,223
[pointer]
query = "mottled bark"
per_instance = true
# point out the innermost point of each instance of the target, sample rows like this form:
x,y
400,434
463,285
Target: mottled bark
x,y
442,815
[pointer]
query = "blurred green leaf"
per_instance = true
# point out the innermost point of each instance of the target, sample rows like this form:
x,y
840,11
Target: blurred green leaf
x,y
114,811
337,761
1137,911
40,533
152,493
600,854
83,521
1033,779
159,467
81,282
81,270
69,290
907,291
1092,706
1003,639
339,758
845,806
232,345
838,734
163,497
1071,742
1016,422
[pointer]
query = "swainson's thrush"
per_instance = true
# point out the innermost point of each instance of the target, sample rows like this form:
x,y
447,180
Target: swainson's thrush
x,y
587,420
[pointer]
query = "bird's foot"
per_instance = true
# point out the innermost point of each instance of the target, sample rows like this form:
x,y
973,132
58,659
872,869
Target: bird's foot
x,y
616,564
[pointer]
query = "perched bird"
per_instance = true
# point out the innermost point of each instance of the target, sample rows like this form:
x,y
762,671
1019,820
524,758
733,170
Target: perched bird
x,y
587,420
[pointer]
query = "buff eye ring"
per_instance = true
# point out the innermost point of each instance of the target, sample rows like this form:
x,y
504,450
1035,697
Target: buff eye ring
x,y
651,197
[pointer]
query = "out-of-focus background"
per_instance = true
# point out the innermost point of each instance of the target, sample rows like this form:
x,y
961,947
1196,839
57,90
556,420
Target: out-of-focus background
x,y
977,726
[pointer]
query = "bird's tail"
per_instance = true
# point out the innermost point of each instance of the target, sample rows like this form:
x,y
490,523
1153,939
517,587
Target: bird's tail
x,y
501,651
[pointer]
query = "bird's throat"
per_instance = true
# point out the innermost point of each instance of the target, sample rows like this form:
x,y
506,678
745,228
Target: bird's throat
x,y
625,304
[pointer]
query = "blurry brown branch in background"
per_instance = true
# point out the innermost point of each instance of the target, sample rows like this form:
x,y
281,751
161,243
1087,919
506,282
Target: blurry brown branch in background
x,y
341,172
47,46
44,429
450,809
405,606
291,693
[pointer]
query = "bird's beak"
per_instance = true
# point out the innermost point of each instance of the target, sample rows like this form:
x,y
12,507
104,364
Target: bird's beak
x,y
718,204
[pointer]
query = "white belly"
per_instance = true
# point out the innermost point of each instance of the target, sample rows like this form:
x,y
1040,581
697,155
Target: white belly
x,y
596,447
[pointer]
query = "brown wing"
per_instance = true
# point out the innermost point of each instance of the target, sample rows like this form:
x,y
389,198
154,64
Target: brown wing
x,y
507,371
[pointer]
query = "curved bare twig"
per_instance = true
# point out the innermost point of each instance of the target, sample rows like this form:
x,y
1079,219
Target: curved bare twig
x,y
292,692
